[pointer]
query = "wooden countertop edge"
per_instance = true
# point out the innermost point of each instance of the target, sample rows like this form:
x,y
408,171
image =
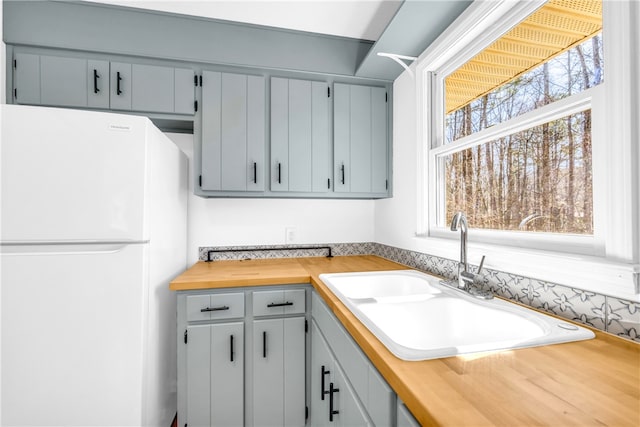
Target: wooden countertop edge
x,y
234,282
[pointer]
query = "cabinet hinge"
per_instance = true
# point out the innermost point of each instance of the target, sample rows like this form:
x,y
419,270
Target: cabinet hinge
x,y
200,180
306,325
195,80
200,80
329,92
186,336
306,412
386,97
195,105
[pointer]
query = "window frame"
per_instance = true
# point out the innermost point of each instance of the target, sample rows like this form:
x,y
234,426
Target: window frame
x,y
608,260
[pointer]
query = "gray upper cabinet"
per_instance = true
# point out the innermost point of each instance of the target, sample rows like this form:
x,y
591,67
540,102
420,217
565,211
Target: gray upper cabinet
x,y
75,81
360,139
60,81
300,136
233,132
152,88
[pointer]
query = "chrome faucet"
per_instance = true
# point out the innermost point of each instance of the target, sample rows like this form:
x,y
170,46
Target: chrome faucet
x,y
465,277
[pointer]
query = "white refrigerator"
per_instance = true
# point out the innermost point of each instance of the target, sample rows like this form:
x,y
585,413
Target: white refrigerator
x,y
93,229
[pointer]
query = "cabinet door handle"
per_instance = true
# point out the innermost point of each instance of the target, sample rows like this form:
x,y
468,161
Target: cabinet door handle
x,y
231,348
118,79
221,308
279,173
95,81
255,173
264,344
332,412
342,171
322,375
279,304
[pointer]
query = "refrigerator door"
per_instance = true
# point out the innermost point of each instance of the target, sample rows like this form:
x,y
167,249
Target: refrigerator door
x,y
70,175
72,335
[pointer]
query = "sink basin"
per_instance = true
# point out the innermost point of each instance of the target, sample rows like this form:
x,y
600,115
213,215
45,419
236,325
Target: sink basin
x,y
417,318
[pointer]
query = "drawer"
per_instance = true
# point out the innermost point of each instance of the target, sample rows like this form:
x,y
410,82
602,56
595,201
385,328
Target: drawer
x,y
283,301
215,306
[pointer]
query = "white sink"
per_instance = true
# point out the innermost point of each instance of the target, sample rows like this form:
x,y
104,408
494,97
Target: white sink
x,y
418,318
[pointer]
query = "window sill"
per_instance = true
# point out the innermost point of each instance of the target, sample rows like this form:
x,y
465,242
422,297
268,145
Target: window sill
x,y
589,273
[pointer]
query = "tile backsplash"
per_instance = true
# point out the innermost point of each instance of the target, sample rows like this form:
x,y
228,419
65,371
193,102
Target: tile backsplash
x,y
614,315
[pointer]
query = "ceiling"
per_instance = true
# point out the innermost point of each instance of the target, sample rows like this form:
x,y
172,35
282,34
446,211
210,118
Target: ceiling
x,y
360,19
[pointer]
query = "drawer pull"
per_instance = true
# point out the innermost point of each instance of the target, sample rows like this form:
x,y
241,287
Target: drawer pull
x,y
322,375
118,80
264,344
95,81
231,348
221,308
332,412
279,304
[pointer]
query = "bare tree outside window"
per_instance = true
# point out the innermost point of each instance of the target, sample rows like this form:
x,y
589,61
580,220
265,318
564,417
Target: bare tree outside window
x,y
539,179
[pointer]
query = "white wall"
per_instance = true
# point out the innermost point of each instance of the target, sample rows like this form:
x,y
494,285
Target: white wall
x,y
395,218
222,222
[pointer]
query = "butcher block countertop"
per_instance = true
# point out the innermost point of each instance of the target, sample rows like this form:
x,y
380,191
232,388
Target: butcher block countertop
x,y
587,383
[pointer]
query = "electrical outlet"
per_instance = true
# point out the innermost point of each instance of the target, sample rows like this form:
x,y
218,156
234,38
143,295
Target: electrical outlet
x,y
290,234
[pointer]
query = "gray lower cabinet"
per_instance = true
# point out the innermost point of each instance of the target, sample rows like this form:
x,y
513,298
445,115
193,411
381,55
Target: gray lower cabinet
x,y
300,136
215,375
360,139
346,389
240,367
333,400
233,132
279,372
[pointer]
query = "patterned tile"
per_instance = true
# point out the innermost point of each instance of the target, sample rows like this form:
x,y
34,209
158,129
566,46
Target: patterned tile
x,y
614,315
623,318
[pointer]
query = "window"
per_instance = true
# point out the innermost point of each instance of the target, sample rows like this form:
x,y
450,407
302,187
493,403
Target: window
x,y
515,152
551,188
538,179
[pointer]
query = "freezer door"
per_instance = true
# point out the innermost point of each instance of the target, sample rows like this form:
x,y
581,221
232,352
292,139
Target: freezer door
x,y
70,175
73,336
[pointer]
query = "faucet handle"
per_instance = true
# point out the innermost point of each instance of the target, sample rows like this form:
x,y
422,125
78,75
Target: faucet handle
x,y
481,265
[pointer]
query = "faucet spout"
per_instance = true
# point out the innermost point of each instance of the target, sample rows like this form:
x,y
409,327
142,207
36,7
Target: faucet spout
x,y
459,220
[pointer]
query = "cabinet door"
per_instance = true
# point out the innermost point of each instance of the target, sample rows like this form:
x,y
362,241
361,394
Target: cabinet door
x,y
321,369
360,139
279,372
227,375
300,144
350,412
120,89
199,375
215,375
152,88
268,372
233,114
26,78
